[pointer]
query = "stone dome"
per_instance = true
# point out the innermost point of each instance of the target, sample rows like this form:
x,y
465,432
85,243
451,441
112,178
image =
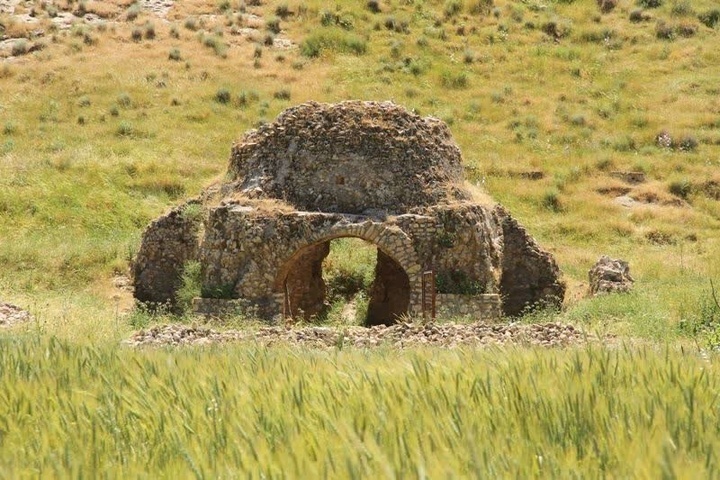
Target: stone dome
x,y
349,157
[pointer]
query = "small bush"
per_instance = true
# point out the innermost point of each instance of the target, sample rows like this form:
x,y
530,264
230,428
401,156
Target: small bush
x,y
332,40
638,15
217,45
551,201
481,7
454,80
174,32
710,19
124,100
283,11
149,29
132,13
688,143
664,31
137,34
607,6
458,282
373,6
680,188
468,56
282,94
9,128
682,8
190,286
686,30
175,54
398,26
453,7
223,96
191,23
20,47
273,25
556,28
649,3
125,129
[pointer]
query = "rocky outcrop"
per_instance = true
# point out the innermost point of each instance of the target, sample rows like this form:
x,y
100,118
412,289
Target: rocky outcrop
x,y
167,245
530,275
610,275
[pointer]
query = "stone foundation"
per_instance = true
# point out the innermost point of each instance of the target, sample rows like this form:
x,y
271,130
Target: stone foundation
x,y
485,307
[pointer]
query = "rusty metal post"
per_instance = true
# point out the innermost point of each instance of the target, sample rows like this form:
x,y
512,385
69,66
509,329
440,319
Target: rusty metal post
x,y
286,301
428,294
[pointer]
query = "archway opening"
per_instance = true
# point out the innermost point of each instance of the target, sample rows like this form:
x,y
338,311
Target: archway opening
x,y
346,280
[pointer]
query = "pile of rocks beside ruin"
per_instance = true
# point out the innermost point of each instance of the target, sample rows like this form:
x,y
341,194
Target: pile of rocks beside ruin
x,y
11,315
399,335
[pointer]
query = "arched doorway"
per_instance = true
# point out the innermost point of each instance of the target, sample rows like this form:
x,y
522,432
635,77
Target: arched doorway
x,y
305,288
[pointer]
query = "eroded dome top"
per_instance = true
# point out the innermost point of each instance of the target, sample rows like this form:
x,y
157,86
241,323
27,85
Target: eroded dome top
x,y
349,157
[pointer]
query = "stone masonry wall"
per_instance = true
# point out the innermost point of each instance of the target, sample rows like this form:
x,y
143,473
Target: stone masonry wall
x,y
530,275
168,243
486,307
350,157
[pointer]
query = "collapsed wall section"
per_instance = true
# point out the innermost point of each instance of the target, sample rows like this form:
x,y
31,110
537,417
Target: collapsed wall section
x,y
167,245
530,276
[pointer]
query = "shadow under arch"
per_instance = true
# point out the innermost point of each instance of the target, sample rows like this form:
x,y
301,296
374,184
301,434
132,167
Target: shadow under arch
x,y
299,276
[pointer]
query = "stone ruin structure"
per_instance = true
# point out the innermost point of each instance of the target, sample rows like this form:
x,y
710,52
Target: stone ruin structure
x,y
354,169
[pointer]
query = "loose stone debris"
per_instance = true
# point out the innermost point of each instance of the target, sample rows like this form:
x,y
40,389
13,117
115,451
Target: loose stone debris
x,y
11,315
610,275
400,335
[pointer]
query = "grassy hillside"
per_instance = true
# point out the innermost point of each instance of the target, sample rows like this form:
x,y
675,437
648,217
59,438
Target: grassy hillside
x,y
113,121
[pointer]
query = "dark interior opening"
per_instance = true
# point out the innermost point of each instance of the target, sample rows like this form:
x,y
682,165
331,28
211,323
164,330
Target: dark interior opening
x,y
346,280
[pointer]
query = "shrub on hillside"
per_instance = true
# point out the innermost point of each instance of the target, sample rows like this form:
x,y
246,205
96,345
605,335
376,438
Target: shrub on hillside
x,y
20,47
664,31
373,6
481,7
273,25
650,3
682,8
710,19
124,100
453,7
332,40
638,15
680,188
607,6
223,96
686,30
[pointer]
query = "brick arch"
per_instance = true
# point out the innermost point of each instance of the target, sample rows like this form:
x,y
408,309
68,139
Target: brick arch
x,y
391,242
